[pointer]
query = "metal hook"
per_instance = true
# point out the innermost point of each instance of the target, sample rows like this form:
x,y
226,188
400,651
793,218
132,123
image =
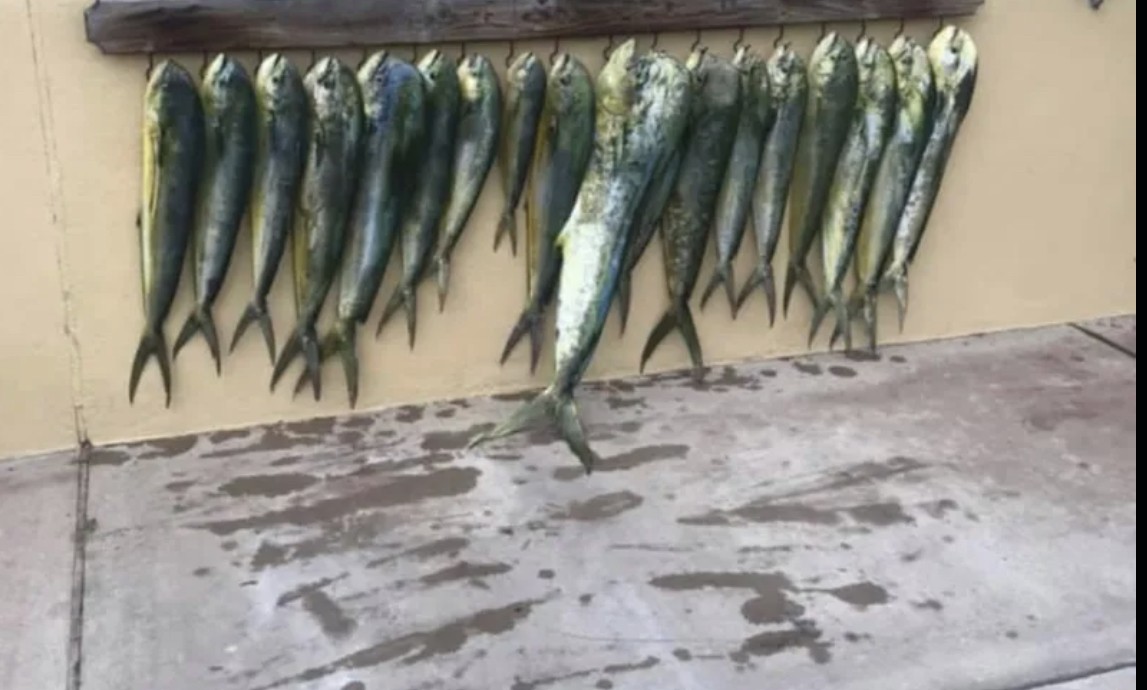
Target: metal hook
x,y
863,29
696,41
900,29
823,31
462,45
314,59
510,55
939,25
258,56
608,48
740,42
780,37
656,40
150,64
203,67
554,55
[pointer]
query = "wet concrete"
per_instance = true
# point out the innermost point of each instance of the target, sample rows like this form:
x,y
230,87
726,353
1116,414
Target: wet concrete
x,y
959,515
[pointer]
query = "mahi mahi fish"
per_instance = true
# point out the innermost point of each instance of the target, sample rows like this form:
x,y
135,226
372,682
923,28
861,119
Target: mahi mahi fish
x,y
642,106
524,102
281,106
229,125
561,155
329,179
172,163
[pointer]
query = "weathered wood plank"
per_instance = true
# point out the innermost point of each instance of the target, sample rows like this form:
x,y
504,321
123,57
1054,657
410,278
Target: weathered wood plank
x,y
140,26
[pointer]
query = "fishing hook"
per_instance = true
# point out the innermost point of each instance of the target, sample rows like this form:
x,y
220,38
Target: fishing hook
x,y
203,67
696,41
939,25
780,37
510,55
258,56
823,31
740,42
900,29
462,47
863,29
554,55
608,48
150,64
656,40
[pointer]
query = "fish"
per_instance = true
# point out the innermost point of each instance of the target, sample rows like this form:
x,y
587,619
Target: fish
x,y
392,129
524,101
688,216
477,140
642,106
173,153
828,111
852,181
788,87
334,134
954,59
281,123
735,197
561,156
434,170
229,168
915,100
644,226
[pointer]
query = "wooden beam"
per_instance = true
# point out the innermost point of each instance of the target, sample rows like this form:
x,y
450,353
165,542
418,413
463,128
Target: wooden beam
x,y
141,26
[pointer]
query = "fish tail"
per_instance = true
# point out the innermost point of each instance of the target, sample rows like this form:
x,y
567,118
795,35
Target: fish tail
x,y
507,226
151,343
256,313
405,298
790,285
843,328
199,320
819,312
530,322
559,407
863,306
303,342
722,275
678,317
900,289
624,292
763,277
442,269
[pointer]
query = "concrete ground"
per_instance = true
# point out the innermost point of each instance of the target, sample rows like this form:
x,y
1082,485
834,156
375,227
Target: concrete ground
x,y
958,514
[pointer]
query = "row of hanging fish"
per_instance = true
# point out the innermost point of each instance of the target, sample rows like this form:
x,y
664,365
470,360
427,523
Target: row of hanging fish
x,y
343,166
855,145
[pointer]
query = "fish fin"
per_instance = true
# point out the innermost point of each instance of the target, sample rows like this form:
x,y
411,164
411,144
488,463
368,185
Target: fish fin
x,y
863,306
291,349
312,359
442,271
722,275
151,343
530,322
346,348
900,289
572,431
199,320
405,298
762,276
507,226
819,312
755,279
328,346
542,405
790,285
624,292
252,314
679,317
843,328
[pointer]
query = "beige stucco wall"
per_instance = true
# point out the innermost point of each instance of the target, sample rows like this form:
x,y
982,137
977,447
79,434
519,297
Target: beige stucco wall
x,y
1036,224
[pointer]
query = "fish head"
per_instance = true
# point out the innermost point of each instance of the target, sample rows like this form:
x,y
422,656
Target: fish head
x,y
833,59
526,70
913,72
166,86
327,82
276,79
475,78
432,65
954,60
225,82
786,73
668,90
719,82
875,71
573,88
616,83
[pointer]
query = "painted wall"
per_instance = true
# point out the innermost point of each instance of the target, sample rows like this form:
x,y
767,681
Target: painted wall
x,y
1035,224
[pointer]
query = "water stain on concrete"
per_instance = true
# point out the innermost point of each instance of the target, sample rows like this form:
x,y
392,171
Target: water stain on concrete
x,y
1048,418
805,636
682,654
938,509
452,440
179,486
928,605
861,594
517,396
421,646
446,413
880,514
618,403
329,615
627,460
770,605
585,599
268,485
450,546
646,663
354,685
286,460
317,426
464,570
361,421
600,507
170,447
842,372
812,369
228,435
268,554
428,461
109,456
409,414
401,490
897,359
202,571
862,356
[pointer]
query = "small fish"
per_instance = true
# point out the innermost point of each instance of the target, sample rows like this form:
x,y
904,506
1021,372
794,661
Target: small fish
x,y
894,177
741,176
435,165
524,101
828,112
329,179
561,155
716,109
173,143
642,106
229,121
788,86
852,182
393,124
281,123
954,61
478,122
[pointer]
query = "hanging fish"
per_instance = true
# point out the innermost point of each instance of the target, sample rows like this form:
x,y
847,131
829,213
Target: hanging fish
x,y
561,155
852,182
954,61
716,108
229,122
916,95
524,101
172,164
393,125
434,163
481,109
741,176
788,87
329,179
642,106
281,123
828,112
